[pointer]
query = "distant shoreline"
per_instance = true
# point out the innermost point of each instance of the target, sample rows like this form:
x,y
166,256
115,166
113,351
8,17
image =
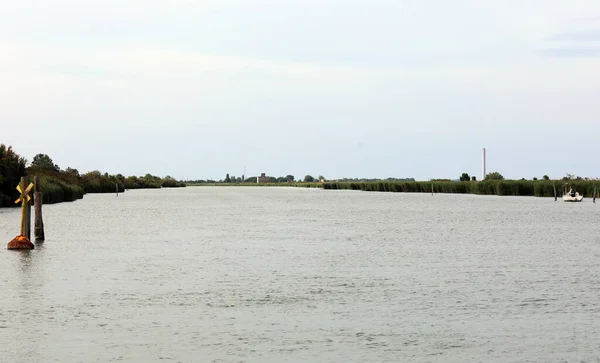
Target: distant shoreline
x,y
533,188
522,188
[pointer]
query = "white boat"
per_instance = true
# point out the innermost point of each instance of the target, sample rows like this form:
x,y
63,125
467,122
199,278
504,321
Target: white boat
x,y
572,196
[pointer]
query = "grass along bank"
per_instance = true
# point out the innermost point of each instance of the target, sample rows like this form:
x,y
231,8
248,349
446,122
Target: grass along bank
x,y
57,191
537,188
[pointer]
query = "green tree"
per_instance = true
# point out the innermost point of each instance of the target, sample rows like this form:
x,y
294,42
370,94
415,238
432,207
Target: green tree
x,y
494,176
289,178
43,161
309,179
227,178
12,168
465,177
169,182
73,172
473,178
546,177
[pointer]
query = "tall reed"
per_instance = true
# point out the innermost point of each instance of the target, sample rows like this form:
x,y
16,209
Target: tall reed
x,y
56,191
538,188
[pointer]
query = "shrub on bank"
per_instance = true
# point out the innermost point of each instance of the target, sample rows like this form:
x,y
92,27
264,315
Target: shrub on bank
x,y
56,191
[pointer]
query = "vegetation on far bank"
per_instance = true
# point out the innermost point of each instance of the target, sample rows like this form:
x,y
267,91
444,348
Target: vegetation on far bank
x,y
537,188
493,184
66,185
267,180
298,184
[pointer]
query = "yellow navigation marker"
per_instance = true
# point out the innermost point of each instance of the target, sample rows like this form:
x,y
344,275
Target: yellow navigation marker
x,y
24,192
23,198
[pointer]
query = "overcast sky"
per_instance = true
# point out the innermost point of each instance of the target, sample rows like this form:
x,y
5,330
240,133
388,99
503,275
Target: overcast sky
x,y
373,88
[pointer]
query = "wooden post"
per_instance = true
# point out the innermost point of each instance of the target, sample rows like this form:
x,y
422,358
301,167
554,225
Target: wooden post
x,y
22,233
555,197
27,231
117,186
431,188
38,200
594,194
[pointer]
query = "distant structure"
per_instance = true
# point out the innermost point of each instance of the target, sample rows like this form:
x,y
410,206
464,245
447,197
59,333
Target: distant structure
x,y
262,178
482,163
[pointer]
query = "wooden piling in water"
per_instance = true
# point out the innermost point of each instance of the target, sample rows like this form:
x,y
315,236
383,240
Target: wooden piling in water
x,y
117,186
38,200
555,197
27,227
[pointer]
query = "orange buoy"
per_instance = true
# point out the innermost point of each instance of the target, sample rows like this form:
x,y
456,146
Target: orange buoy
x,y
20,243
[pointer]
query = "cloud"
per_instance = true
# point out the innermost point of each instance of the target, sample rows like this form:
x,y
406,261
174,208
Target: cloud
x,y
160,63
590,35
582,43
572,52
185,69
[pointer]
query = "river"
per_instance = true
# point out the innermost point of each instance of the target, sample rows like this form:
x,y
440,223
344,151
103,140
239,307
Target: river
x,y
260,274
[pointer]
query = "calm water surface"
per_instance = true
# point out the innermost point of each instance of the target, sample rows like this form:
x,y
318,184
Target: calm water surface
x,y
303,275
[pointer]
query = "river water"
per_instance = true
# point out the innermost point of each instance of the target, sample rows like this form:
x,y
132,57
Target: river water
x,y
227,274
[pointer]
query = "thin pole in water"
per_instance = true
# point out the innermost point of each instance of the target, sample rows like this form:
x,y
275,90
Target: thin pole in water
x,y
38,229
117,186
27,219
431,188
555,197
595,193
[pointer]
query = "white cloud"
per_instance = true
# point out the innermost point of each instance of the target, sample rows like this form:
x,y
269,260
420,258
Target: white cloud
x,y
154,64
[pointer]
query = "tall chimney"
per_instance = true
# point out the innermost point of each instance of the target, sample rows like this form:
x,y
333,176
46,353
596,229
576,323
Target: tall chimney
x,y
482,163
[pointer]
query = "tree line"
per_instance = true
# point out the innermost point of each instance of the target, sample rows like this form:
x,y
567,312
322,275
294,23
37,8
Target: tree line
x,y
291,179
497,176
68,184
253,179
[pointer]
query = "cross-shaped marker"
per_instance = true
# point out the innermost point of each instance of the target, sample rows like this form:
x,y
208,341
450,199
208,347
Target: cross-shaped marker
x,y
24,192
23,198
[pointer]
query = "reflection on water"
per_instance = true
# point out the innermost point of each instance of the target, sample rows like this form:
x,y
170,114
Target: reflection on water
x,y
295,275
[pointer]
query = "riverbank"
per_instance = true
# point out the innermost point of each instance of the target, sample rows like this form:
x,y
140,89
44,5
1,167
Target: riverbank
x,y
537,188
246,184
55,190
66,185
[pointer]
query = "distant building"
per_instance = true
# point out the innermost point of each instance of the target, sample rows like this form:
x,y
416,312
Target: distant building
x,y
262,178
